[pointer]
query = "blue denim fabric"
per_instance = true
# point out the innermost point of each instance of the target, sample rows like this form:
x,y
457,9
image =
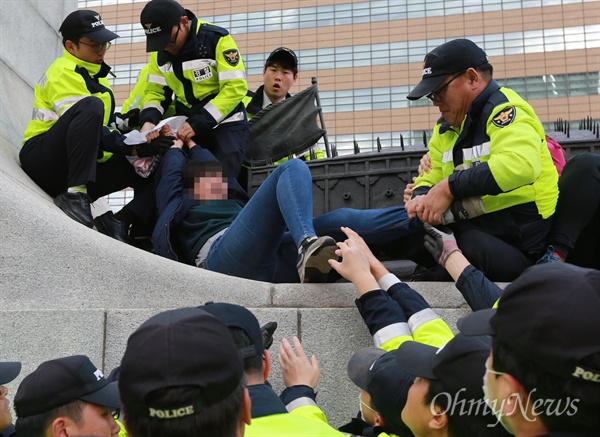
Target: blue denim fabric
x,y
248,248
375,226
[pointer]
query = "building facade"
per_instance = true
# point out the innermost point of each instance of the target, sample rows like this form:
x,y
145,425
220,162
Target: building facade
x,y
368,55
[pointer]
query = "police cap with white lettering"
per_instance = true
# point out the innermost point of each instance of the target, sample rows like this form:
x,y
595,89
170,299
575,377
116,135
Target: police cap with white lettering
x,y
186,347
88,23
548,316
61,381
452,57
158,18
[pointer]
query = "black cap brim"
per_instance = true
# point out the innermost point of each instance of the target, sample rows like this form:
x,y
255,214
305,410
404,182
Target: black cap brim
x,y
425,87
107,396
158,42
102,35
416,359
477,323
360,364
9,371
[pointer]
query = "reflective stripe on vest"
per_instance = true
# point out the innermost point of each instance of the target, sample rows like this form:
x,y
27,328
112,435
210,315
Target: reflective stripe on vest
x,y
230,75
300,402
212,110
194,64
389,332
44,115
420,318
67,101
153,78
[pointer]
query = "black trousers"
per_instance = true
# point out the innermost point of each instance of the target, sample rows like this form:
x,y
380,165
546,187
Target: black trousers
x,y
576,223
66,156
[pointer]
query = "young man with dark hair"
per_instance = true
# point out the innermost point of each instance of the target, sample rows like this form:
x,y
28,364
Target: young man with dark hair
x,y
269,413
446,397
280,73
542,375
68,148
8,372
181,375
66,397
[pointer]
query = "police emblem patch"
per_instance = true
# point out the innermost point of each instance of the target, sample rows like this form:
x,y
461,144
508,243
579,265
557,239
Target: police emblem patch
x,y
505,117
232,56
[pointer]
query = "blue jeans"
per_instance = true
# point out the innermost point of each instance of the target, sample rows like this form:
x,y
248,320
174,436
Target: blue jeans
x,y
376,226
248,248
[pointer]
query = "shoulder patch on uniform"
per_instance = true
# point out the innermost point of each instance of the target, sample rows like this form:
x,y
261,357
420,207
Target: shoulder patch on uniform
x,y
505,117
232,56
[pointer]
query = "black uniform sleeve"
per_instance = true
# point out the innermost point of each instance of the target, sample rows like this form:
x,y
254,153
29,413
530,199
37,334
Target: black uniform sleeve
x,y
379,310
479,292
475,181
114,141
152,115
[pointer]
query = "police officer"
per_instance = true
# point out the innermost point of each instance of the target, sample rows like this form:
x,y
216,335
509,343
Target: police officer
x,y
8,372
201,64
68,149
300,375
488,148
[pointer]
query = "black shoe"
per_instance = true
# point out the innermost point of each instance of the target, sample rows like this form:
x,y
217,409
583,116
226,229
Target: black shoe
x,y
313,265
108,224
76,206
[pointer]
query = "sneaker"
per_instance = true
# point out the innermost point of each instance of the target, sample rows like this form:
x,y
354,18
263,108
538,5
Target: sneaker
x,y
550,257
313,265
76,206
108,224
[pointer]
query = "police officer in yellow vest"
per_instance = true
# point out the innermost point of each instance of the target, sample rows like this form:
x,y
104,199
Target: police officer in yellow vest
x,y
394,314
488,149
201,64
68,148
270,418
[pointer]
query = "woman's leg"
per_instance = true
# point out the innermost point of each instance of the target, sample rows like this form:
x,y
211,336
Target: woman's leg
x,y
248,248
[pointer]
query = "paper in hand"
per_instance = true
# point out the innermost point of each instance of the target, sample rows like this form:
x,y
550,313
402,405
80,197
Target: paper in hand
x,y
137,137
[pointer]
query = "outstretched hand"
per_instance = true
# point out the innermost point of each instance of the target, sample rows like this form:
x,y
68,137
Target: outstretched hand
x,y
356,262
296,368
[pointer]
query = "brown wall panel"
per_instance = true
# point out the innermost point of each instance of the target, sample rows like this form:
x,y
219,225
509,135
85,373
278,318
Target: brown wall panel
x,y
333,78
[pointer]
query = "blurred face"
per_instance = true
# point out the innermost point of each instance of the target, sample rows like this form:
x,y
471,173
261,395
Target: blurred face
x,y
453,98
211,186
416,412
278,81
95,420
5,415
